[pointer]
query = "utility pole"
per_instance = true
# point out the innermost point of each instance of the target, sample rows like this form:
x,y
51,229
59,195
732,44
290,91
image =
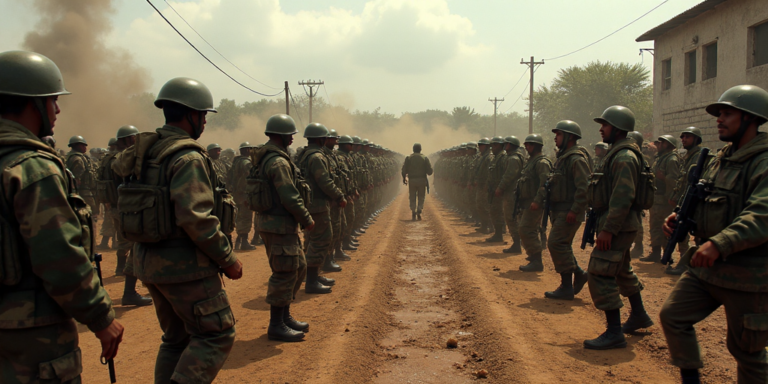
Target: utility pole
x,y
311,84
287,95
495,102
530,64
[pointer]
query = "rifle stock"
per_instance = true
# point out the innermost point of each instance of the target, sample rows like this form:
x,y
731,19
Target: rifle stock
x,y
589,229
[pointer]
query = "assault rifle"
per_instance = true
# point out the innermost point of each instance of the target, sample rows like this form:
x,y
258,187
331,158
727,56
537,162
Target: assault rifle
x,y
694,193
590,227
547,204
111,363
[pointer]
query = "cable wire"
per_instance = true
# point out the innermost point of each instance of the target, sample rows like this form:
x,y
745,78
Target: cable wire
x,y
610,34
518,82
330,106
295,108
206,57
523,93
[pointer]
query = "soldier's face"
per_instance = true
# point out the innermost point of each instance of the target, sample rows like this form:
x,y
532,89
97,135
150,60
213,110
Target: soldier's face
x,y
215,153
600,152
52,107
605,131
530,148
728,123
688,140
288,140
496,148
559,138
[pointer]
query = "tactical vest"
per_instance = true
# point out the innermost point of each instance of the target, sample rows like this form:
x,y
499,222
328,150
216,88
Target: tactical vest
x,y
262,194
562,186
601,185
88,181
661,186
417,166
529,182
106,188
317,193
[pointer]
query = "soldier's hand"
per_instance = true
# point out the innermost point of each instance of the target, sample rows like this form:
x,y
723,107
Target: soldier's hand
x,y
669,224
110,338
405,182
343,203
498,193
310,227
570,218
534,207
234,271
604,239
705,256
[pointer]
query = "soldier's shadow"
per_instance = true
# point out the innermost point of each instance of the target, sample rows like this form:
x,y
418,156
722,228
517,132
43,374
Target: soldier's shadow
x,y
260,304
520,275
483,243
551,306
496,255
601,358
246,352
474,234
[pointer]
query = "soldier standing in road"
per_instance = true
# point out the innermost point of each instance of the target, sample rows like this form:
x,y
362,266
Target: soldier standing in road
x,y
82,168
567,206
479,183
613,195
513,168
339,178
107,230
416,168
729,267
530,199
346,154
496,171
47,234
241,167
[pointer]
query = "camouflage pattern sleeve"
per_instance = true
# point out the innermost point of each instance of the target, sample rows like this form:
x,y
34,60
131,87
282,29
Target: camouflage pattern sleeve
x,y
624,169
192,198
430,171
511,174
581,173
280,173
543,169
53,235
318,170
77,166
671,178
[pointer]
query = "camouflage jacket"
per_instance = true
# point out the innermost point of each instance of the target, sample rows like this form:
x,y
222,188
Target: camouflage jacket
x,y
534,176
348,163
512,171
667,171
241,167
316,168
480,171
45,229
496,170
283,176
569,180
613,187
686,163
222,170
416,166
734,217
83,169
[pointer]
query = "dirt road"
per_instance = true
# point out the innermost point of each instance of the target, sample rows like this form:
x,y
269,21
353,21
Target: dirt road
x,y
410,288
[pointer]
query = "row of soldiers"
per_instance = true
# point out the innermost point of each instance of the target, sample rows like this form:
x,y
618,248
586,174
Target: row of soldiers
x,y
727,265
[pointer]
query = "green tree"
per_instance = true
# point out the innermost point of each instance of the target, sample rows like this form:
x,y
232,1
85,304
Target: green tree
x,y
464,116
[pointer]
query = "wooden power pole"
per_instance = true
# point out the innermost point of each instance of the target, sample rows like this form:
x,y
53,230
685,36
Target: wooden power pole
x,y
287,95
531,64
311,84
495,102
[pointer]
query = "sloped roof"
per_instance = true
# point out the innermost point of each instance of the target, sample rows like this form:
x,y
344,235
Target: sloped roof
x,y
680,19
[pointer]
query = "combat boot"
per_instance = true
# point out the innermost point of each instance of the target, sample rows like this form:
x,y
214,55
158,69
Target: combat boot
x,y
514,249
120,265
278,330
638,317
244,244
349,247
637,251
326,280
612,337
534,265
418,216
413,216
655,255
313,285
257,239
678,270
565,290
329,265
339,254
293,323
496,238
104,245
131,297
580,278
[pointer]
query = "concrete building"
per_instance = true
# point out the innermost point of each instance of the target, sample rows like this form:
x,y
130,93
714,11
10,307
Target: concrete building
x,y
701,53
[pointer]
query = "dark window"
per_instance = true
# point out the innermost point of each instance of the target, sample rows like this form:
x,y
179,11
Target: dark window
x,y
690,67
666,74
760,44
710,61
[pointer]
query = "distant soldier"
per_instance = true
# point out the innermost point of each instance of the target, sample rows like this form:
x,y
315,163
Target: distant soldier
x,y
339,178
46,236
479,182
347,155
228,157
530,200
600,150
496,170
107,230
221,168
612,196
241,167
416,168
638,249
667,171
506,190
729,267
83,168
112,145
567,195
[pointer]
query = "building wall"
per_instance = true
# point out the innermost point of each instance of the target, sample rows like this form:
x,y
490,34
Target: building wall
x,y
683,105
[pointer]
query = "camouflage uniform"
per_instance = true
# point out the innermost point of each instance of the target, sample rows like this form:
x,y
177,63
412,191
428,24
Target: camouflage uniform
x,y
496,171
513,170
83,168
531,190
479,182
417,167
351,210
241,167
667,171
338,220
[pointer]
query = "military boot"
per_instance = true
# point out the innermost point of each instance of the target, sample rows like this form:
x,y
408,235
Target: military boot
x,y
293,323
340,255
418,216
104,245
497,237
637,251
534,265
638,317
329,265
120,265
348,246
565,290
130,296
612,337
278,330
413,216
313,285
655,255
514,249
326,280
236,244
580,278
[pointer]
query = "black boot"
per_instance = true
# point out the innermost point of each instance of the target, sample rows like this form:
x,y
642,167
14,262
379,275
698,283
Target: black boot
x,y
612,337
418,216
580,278
130,296
678,270
104,245
329,265
278,330
293,323
638,317
690,376
120,265
565,290
244,244
496,238
534,265
514,249
312,285
413,216
340,255
655,255
349,247
326,280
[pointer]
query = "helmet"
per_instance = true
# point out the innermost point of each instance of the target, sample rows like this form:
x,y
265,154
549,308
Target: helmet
x,y
77,140
483,141
30,74
112,141
365,142
497,140
747,98
471,144
669,139
693,131
619,117
187,92
213,146
95,150
281,125
244,144
601,145
345,140
534,139
512,140
127,130
315,131
637,136
356,140
332,133
568,126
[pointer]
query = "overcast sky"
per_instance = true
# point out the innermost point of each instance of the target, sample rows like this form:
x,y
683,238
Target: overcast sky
x,y
398,55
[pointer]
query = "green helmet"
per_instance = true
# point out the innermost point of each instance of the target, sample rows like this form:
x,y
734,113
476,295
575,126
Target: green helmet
x,y
669,139
76,140
619,117
483,141
315,131
332,133
471,144
187,92
512,140
497,140
346,140
568,126
534,139
365,142
212,146
112,141
127,130
693,131
281,125
747,98
637,136
601,145
356,140
244,144
29,74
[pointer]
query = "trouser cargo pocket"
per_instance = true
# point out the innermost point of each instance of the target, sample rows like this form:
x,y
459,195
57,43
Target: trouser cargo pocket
x,y
214,314
64,368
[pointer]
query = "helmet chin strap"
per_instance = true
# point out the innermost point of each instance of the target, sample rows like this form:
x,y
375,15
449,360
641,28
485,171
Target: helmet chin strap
x,y
197,129
45,123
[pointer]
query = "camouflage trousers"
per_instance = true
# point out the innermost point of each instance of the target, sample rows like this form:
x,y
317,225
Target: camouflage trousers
x,y
289,267
510,218
530,229
360,210
481,203
319,239
198,330
91,201
349,218
659,213
108,227
693,300
337,223
611,274
245,219
496,207
641,231
123,245
560,242
417,191
47,354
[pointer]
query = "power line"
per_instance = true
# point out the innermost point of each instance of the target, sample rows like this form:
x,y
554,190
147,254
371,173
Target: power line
x,y
516,83
610,34
330,106
206,57
522,93
295,108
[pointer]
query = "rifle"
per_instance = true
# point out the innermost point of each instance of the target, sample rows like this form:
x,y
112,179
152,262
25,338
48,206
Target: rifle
x,y
427,185
547,205
590,227
695,192
111,363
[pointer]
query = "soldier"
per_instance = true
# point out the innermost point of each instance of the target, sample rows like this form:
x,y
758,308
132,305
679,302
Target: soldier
x,y
314,165
729,267
667,171
221,168
279,227
567,200
82,168
496,172
46,234
638,249
416,168
600,150
228,157
479,185
107,230
112,145
530,199
506,190
241,167
347,155
181,248
339,177
614,195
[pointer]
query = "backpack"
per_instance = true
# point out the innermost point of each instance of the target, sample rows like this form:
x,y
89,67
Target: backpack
x,y
262,196
646,183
